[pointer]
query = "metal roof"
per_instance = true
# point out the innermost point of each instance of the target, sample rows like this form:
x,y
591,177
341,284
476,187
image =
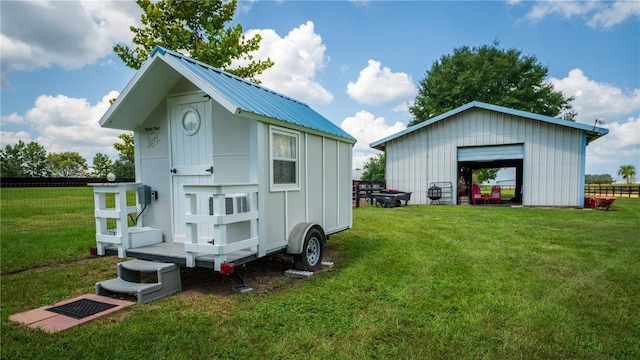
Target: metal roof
x,y
592,132
154,79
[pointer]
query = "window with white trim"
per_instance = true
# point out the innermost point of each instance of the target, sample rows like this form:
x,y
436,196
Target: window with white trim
x,y
284,159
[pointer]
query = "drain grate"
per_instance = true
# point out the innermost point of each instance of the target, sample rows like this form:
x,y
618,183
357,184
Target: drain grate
x,y
82,308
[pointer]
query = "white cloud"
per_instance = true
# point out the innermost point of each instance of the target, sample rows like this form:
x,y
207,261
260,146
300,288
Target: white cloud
x,y
598,14
596,100
619,109
12,118
298,58
12,138
615,14
376,86
366,128
68,124
69,34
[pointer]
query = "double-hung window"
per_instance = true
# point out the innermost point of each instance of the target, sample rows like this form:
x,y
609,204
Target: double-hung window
x,y
284,146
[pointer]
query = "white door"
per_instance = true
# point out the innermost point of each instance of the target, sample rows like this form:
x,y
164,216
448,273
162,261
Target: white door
x,y
191,127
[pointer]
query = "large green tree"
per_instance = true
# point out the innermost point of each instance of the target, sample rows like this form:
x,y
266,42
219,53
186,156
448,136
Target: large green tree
x,y
23,160
491,75
373,169
628,173
197,28
124,167
67,164
102,165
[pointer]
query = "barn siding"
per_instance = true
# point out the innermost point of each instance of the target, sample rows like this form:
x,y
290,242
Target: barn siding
x,y
552,161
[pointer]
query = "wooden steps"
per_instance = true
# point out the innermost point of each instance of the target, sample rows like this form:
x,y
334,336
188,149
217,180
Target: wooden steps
x,y
130,280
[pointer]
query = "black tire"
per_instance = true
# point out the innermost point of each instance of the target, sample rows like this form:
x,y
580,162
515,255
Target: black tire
x,y
312,251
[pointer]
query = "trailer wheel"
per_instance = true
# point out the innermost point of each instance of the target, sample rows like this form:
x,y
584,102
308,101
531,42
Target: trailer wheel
x,y
312,251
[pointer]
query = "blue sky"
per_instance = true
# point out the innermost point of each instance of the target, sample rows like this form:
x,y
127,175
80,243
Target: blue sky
x,y
359,63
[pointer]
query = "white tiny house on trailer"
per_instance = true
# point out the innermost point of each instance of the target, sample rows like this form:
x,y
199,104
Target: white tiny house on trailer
x,y
227,171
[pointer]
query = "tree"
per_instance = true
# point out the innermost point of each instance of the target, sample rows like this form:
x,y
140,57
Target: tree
x,y
23,160
35,160
628,173
126,148
598,179
11,159
196,28
479,176
373,169
124,167
102,165
490,75
67,164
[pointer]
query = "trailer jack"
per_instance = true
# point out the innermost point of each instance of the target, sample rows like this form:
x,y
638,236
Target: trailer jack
x,y
240,287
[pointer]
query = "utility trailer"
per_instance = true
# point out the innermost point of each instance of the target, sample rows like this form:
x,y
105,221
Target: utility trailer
x,y
227,172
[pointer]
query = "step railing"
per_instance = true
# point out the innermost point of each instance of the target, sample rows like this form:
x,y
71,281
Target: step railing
x,y
120,212
243,208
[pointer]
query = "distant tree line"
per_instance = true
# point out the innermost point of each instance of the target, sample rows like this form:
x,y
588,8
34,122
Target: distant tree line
x,y
32,161
598,179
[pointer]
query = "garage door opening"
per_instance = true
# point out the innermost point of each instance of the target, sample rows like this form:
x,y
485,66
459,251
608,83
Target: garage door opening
x,y
474,159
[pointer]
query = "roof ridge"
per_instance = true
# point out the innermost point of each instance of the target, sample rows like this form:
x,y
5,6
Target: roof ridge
x,y
162,51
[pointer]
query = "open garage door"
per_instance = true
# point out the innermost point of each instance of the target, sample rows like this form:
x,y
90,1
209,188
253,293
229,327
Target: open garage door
x,y
491,153
484,157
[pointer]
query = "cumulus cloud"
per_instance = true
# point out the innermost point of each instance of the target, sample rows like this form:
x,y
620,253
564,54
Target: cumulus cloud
x,y
376,85
621,112
367,128
597,14
298,58
596,100
39,34
11,138
68,124
12,118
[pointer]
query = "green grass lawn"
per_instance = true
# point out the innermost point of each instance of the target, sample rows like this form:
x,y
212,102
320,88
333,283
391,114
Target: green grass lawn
x,y
418,282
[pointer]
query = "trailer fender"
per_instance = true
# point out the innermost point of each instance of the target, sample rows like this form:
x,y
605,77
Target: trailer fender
x,y
306,244
298,234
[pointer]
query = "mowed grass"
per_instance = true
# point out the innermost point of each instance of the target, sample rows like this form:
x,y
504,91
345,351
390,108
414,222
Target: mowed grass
x,y
417,282
44,226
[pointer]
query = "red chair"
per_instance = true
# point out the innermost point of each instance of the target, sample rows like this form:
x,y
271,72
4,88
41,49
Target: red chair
x,y
476,195
496,193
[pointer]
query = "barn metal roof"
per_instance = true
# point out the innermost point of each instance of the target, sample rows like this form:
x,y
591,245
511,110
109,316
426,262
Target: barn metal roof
x,y
155,78
592,132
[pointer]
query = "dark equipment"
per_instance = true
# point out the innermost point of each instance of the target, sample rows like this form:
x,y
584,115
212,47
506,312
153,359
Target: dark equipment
x,y
391,198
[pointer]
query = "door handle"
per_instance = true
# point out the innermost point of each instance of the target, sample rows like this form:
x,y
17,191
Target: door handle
x,y
210,170
174,171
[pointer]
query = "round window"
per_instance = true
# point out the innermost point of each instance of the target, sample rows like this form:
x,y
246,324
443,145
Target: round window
x,y
190,121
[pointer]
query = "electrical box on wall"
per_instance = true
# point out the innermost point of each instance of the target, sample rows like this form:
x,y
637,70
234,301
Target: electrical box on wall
x,y
144,194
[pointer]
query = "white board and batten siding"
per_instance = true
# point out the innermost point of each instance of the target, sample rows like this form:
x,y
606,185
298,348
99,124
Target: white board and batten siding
x,y
552,165
324,193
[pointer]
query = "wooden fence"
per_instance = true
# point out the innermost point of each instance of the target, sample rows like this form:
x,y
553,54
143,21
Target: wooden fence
x,y
608,190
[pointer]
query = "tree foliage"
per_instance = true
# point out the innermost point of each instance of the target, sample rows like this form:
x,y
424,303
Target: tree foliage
x,y
480,176
23,160
598,179
198,29
491,75
373,169
102,165
67,164
124,167
126,147
628,173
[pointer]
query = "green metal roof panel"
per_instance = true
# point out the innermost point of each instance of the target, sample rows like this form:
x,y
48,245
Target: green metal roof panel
x,y
255,99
